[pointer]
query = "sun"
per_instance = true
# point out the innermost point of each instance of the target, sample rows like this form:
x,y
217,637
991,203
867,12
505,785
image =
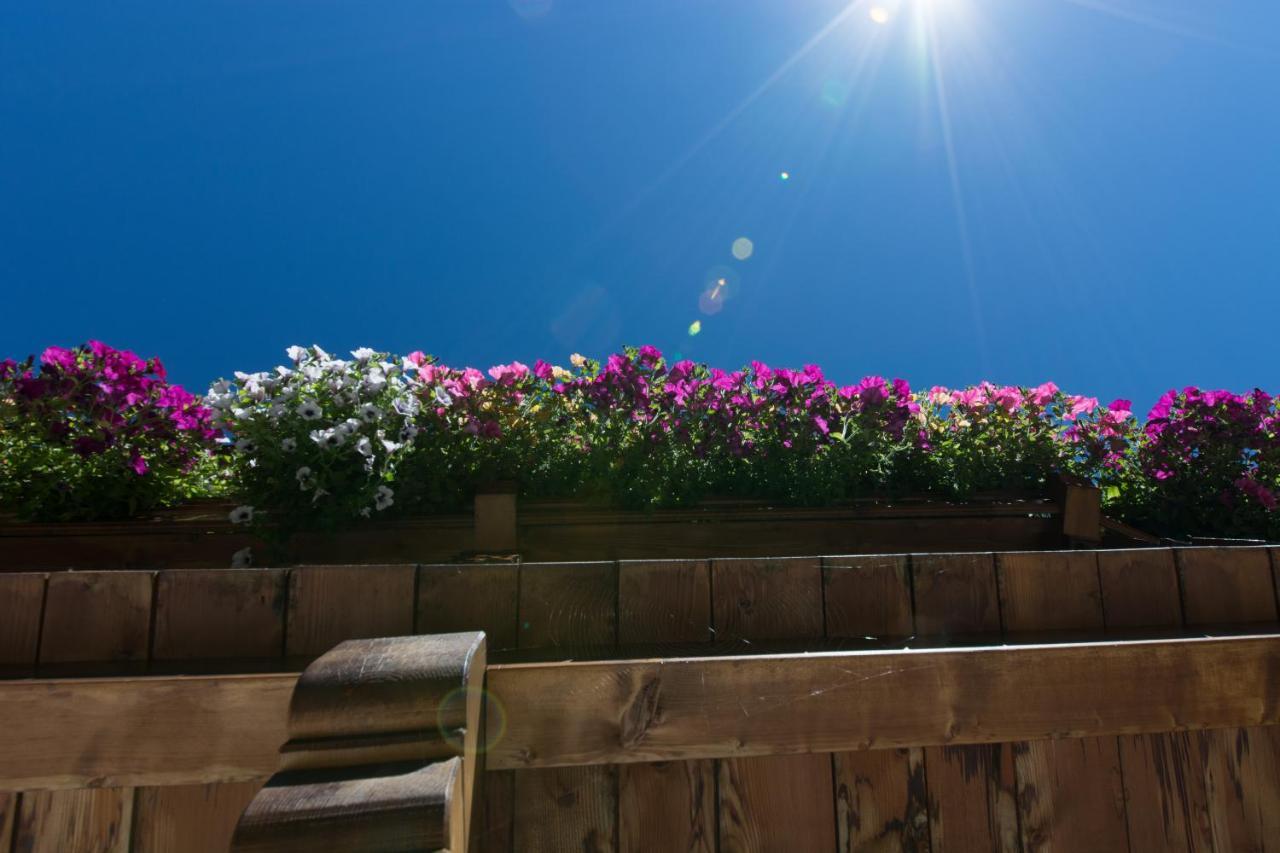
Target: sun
x,y
879,14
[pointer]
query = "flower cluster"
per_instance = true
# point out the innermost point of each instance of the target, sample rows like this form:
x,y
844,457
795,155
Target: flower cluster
x,y
326,441
95,432
317,443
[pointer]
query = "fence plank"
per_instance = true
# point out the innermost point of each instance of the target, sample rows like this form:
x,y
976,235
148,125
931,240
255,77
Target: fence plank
x,y
87,820
779,802
566,808
867,597
881,802
21,600
568,604
880,794
956,597
764,800
475,597
666,805
329,604
1166,804
1227,586
8,816
1070,793
189,818
96,620
970,787
973,805
219,614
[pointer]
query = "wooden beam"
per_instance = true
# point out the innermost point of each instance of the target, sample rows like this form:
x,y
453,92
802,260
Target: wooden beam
x,y
673,709
78,733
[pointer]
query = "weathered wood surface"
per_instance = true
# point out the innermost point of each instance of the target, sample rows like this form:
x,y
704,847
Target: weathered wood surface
x,y
149,731
330,604
80,821
96,618
21,604
715,707
189,818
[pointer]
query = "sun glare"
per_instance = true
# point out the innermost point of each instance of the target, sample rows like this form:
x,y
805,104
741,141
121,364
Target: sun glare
x,y
879,14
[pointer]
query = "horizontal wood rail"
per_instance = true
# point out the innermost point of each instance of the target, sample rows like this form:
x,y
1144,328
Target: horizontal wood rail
x,y
189,729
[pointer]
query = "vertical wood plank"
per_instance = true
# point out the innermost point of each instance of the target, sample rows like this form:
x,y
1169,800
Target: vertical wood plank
x,y
21,601
568,604
778,802
219,614
880,797
972,800
1050,591
778,599
190,818
566,808
881,801
1139,589
99,618
1166,805
956,598
1070,792
473,597
667,805
85,820
1234,586
867,597
8,817
329,604
973,805
664,601
1226,586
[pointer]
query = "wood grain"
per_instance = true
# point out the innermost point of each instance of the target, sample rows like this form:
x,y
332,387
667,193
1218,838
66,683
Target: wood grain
x,y
8,816
474,597
767,599
219,613
138,731
664,601
973,806
1045,592
1167,802
1227,586
89,820
189,818
1070,793
329,604
1139,589
565,605
669,806
593,712
867,597
566,809
779,803
881,801
96,618
956,597
21,600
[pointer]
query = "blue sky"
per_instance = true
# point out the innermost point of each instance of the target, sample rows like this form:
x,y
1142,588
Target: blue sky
x,y
1079,190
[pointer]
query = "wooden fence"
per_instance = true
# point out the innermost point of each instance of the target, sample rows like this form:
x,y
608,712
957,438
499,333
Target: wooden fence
x,y
1209,790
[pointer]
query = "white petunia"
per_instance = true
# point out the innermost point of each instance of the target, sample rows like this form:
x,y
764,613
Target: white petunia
x,y
364,447
312,372
349,426
247,445
383,498
329,437
320,493
289,445
319,353
391,446
406,405
305,480
241,515
375,381
442,396
242,559
309,411
365,512
408,432
369,413
363,354
296,353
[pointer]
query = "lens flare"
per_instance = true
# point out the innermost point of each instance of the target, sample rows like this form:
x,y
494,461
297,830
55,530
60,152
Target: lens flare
x,y
879,14
742,248
695,327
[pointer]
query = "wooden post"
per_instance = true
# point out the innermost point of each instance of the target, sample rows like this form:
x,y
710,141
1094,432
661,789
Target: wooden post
x,y
495,512
382,750
1081,504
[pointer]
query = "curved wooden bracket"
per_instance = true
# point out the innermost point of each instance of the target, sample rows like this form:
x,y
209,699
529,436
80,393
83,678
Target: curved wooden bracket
x,y
383,738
